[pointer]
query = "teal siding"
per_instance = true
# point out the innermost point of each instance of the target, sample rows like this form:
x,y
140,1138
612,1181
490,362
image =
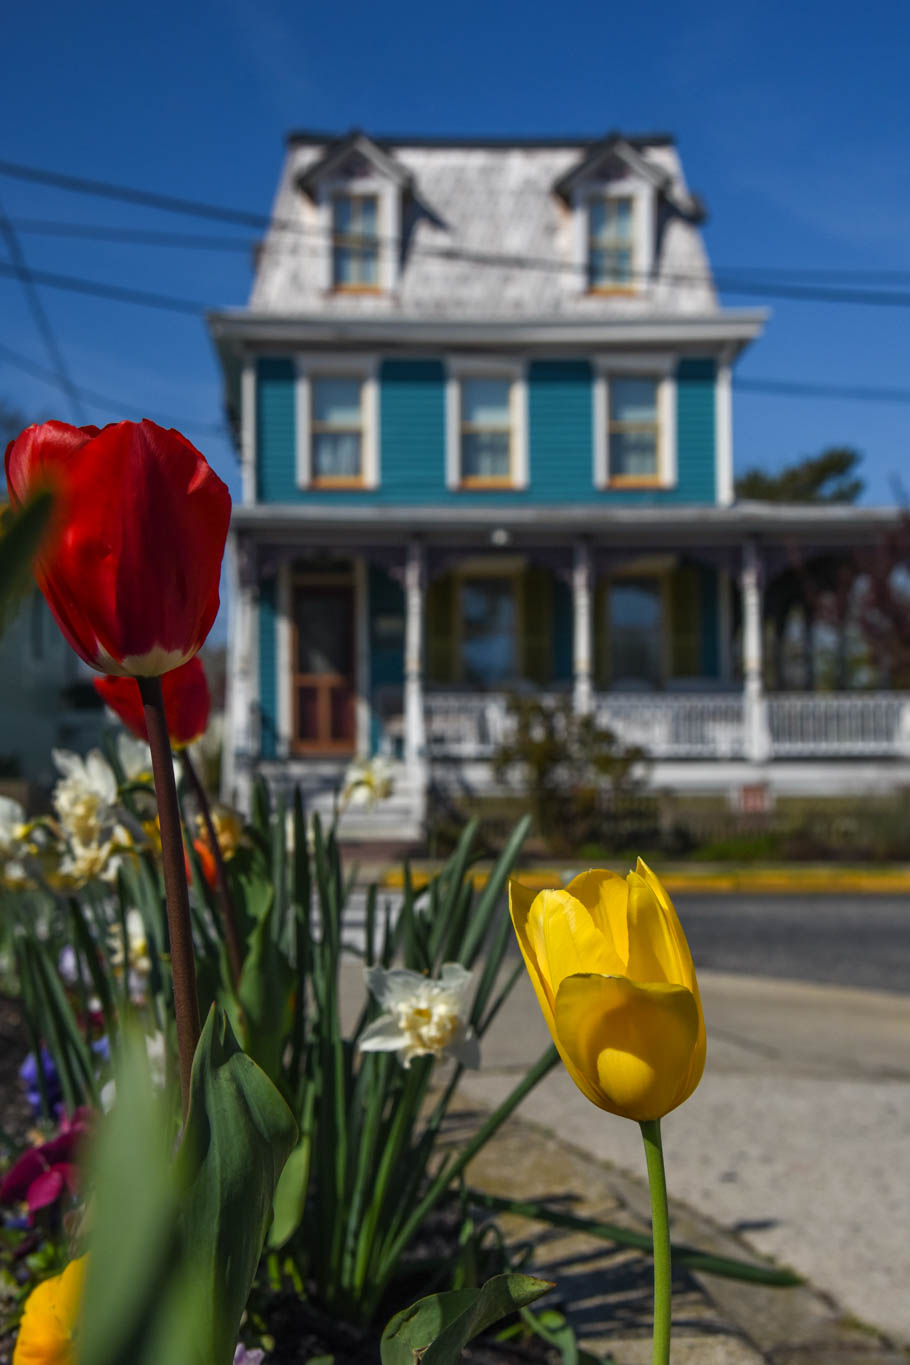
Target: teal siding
x,y
560,439
276,466
386,617
710,622
563,626
268,681
695,431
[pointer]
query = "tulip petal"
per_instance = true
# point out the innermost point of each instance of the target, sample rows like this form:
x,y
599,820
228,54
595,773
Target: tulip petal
x,y
633,1044
566,938
603,894
653,947
687,967
521,901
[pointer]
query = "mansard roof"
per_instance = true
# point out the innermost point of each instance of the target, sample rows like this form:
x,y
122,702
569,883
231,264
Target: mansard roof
x,y
614,147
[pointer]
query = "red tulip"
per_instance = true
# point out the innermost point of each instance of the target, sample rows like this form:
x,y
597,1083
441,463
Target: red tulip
x,y
131,572
186,702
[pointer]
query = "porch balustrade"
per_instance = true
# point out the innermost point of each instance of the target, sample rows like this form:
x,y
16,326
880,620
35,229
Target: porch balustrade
x,y
695,725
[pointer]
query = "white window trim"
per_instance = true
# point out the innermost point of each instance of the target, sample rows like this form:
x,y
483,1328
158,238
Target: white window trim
x,y
643,222
388,226
329,366
459,368
248,387
663,369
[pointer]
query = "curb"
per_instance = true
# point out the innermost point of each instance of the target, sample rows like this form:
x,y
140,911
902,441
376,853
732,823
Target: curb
x,y
605,1291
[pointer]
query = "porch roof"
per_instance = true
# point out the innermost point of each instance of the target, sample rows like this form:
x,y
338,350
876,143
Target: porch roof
x,y
766,523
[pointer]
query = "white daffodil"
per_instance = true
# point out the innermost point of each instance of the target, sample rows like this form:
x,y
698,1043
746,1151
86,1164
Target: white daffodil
x,y
12,825
134,756
85,797
367,782
137,950
421,1016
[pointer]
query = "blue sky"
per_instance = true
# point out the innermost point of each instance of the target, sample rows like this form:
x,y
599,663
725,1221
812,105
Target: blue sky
x,y
792,121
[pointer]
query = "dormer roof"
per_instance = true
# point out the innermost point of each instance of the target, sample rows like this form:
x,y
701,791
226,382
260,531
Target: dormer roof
x,y
616,148
353,149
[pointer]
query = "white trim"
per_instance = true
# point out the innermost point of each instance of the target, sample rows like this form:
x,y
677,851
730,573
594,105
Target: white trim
x,y
723,431
248,452
362,716
317,365
283,646
459,368
662,368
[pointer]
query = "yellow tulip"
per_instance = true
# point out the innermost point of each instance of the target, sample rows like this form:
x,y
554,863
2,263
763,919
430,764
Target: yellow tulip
x,y
48,1326
612,970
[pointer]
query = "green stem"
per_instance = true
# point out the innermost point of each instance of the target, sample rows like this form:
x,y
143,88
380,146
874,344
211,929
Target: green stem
x,y
183,961
660,1234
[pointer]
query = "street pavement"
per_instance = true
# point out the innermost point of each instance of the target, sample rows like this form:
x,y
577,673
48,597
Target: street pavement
x,y
798,1138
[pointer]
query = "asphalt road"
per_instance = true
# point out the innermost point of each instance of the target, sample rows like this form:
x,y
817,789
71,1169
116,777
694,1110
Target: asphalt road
x,y
851,940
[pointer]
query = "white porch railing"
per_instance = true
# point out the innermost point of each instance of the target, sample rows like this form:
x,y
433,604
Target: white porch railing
x,y
842,725
695,725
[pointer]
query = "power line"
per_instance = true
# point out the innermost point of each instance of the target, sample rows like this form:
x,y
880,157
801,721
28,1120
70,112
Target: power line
x,y
862,393
102,400
26,278
731,282
122,293
103,232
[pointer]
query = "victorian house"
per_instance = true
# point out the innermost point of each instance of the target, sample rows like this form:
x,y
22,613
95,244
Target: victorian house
x,y
482,391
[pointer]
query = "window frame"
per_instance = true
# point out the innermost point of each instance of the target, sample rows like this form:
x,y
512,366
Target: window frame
x,y
662,371
644,217
311,369
615,285
458,370
338,241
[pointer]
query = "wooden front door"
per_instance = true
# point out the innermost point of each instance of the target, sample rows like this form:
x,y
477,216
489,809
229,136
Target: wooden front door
x,y
323,668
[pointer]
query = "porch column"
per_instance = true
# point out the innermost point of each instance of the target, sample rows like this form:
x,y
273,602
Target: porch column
x,y
582,631
240,729
414,728
755,706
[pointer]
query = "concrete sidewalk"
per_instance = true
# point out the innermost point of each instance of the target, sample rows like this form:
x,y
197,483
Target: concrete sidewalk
x,y
796,1146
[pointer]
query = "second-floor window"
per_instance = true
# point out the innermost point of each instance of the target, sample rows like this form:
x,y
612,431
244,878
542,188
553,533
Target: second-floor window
x,y
486,430
634,429
336,429
355,241
611,243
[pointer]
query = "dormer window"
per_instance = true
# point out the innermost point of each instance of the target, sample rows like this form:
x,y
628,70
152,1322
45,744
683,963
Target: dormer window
x,y
355,241
611,243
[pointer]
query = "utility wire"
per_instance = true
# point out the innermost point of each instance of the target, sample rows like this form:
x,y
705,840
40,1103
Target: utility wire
x,y
122,293
731,282
101,400
19,267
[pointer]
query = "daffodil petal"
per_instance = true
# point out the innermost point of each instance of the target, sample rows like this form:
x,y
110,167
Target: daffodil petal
x,y
603,894
633,1044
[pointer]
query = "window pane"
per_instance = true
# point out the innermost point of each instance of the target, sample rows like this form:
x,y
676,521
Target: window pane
x,y
633,453
485,455
488,630
485,402
336,454
634,630
324,636
342,214
337,400
633,400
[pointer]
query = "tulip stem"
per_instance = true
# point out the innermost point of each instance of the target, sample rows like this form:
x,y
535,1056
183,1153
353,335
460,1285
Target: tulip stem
x,y
183,962
232,937
660,1236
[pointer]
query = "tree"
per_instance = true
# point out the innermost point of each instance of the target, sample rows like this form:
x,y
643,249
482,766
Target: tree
x,y
828,477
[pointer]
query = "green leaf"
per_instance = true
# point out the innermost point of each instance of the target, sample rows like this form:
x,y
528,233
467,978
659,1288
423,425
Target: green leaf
x,y
290,1196
22,533
266,995
135,1304
239,1134
435,1330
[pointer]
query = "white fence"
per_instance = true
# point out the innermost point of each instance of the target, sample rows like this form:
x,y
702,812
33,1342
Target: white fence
x,y
695,725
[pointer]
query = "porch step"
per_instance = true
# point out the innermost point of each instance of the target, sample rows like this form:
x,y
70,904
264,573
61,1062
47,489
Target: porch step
x,y
398,819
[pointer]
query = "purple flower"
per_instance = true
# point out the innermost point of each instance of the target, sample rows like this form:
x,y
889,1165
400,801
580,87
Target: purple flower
x,y
28,1074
